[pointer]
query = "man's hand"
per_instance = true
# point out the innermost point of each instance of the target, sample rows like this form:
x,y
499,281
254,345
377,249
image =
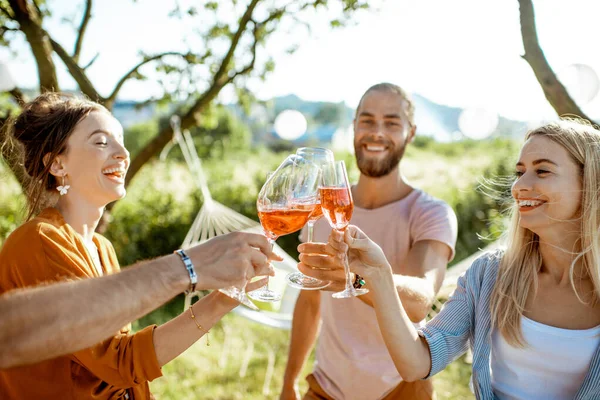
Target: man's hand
x,y
324,260
232,260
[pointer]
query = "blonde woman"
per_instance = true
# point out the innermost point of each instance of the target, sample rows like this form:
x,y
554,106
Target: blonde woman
x,y
530,313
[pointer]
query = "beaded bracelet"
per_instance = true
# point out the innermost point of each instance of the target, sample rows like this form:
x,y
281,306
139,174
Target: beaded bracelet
x,y
190,269
200,326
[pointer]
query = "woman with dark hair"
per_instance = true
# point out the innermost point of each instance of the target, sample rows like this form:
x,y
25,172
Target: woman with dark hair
x,y
74,154
530,313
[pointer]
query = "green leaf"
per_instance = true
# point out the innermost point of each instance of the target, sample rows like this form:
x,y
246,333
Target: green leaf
x,y
211,5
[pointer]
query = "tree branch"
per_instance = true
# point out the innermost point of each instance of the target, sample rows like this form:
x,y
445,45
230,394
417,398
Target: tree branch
x,y
18,96
223,68
76,72
93,60
30,23
248,68
555,92
112,97
87,14
220,79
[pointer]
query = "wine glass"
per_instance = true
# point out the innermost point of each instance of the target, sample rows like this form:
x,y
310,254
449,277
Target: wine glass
x,y
239,294
320,157
284,204
337,205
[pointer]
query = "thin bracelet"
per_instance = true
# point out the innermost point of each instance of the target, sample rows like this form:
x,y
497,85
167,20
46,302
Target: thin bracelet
x,y
189,266
199,326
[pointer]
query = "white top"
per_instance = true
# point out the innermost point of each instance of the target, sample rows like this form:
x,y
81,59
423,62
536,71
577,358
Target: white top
x,y
552,366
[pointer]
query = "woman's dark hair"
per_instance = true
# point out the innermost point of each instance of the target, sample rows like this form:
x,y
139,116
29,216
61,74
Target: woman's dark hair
x,y
42,130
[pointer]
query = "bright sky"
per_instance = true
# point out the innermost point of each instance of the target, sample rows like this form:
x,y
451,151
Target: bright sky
x,y
462,53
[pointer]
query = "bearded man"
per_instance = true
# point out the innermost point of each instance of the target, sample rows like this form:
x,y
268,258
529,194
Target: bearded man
x,y
416,231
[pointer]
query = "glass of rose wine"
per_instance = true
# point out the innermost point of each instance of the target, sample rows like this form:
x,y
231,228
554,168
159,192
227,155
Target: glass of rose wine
x,y
284,204
321,157
337,205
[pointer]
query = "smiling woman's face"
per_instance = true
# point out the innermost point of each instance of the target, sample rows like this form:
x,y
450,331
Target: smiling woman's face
x,y
96,160
548,188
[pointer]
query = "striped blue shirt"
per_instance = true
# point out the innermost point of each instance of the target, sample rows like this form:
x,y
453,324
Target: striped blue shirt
x,y
465,320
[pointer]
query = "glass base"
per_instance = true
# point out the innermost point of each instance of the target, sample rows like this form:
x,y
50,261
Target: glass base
x,y
348,293
301,281
240,296
265,295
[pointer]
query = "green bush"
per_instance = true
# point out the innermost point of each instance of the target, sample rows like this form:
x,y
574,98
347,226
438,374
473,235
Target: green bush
x,y
12,203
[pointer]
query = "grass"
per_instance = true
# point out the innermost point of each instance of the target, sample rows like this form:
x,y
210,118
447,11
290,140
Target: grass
x,y
217,371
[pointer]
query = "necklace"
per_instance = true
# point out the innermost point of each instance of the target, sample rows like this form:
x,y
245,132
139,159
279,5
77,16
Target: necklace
x,y
93,250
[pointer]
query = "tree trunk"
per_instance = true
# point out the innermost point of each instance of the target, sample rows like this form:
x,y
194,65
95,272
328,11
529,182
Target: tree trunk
x,y
555,92
31,25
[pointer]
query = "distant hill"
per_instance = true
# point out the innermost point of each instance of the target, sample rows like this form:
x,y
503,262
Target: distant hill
x,y
325,118
432,119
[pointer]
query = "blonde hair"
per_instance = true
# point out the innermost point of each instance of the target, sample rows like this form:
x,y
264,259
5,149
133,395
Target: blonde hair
x,y
522,259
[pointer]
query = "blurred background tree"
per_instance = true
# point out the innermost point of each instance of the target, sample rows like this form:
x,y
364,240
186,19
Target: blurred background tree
x,y
228,49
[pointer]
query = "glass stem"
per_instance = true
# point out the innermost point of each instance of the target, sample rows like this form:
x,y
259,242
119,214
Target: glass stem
x,y
272,243
311,225
349,286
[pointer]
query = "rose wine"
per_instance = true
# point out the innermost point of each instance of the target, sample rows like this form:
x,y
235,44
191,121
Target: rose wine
x,y
317,213
315,208
337,206
282,222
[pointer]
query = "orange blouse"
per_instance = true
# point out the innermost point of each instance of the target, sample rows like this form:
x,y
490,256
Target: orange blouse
x,y
47,249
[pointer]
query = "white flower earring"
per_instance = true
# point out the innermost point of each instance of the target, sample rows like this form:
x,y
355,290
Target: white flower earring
x,y
62,189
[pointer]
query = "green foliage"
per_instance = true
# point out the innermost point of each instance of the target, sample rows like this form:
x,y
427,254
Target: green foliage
x,y
12,203
219,131
7,106
139,135
155,216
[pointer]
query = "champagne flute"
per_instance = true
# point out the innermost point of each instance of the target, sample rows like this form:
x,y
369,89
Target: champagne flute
x,y
284,204
320,157
337,205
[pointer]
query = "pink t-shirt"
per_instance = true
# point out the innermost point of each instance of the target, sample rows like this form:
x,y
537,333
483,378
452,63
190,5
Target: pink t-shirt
x,y
352,361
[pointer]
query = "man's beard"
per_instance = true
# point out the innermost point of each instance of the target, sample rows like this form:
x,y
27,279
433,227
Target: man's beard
x,y
374,167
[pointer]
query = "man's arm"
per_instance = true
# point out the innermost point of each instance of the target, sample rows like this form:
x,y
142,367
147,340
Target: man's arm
x,y
305,327
37,323
425,269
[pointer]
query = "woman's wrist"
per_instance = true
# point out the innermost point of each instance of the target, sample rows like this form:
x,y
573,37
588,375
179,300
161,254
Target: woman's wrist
x,y
225,302
376,276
